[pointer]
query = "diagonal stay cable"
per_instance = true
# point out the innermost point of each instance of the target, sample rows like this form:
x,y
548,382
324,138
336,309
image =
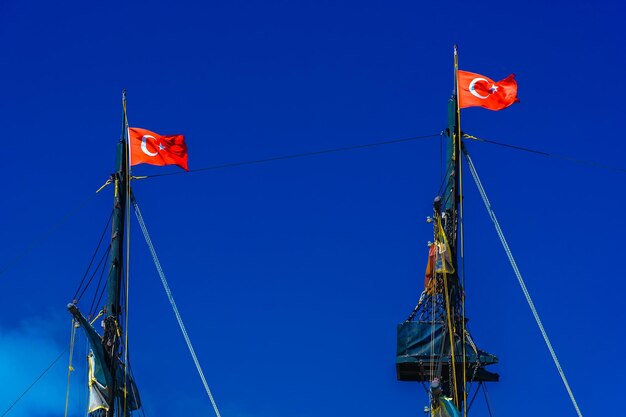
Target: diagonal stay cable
x,y
486,394
518,274
99,293
294,156
549,155
104,257
93,257
170,297
45,371
52,228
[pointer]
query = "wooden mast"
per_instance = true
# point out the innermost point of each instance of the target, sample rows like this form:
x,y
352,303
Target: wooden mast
x,y
433,344
112,327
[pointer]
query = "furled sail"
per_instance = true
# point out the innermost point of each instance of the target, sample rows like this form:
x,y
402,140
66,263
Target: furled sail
x,y
98,392
100,378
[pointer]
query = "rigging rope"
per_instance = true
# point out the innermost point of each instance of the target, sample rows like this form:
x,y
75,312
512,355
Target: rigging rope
x,y
451,329
292,156
471,402
94,303
45,371
70,368
100,263
486,394
550,155
93,257
518,274
170,297
130,371
44,235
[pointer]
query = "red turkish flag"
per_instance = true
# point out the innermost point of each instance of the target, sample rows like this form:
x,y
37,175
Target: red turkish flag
x,y
476,90
147,147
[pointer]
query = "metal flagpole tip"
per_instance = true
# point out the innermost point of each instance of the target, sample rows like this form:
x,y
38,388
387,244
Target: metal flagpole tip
x,y
124,94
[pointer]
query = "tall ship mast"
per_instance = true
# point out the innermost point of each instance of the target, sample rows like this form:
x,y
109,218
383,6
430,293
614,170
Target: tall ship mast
x,y
112,391
433,345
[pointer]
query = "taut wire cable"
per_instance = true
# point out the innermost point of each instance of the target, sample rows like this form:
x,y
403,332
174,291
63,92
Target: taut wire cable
x,y
157,264
518,274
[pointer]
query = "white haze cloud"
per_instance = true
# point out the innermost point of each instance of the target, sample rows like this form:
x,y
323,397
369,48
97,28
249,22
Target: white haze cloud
x,y
25,352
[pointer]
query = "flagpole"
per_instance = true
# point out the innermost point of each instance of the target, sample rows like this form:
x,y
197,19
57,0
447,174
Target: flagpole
x,y
125,128
458,145
127,295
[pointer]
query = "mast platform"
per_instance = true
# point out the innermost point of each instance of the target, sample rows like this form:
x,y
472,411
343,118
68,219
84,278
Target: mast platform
x,y
423,352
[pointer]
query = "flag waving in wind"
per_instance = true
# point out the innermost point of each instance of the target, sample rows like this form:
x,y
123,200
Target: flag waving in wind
x,y
147,147
476,90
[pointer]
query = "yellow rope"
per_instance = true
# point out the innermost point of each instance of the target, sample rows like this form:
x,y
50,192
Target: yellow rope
x,y
104,185
97,317
70,368
450,329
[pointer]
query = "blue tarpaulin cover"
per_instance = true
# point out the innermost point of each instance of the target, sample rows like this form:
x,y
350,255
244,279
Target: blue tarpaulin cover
x,y
427,342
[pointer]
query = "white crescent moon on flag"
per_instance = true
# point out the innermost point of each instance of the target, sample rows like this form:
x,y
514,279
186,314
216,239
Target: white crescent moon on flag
x,y
472,88
144,148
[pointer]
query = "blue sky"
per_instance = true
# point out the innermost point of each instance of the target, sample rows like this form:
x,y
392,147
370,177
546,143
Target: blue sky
x,y
292,275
